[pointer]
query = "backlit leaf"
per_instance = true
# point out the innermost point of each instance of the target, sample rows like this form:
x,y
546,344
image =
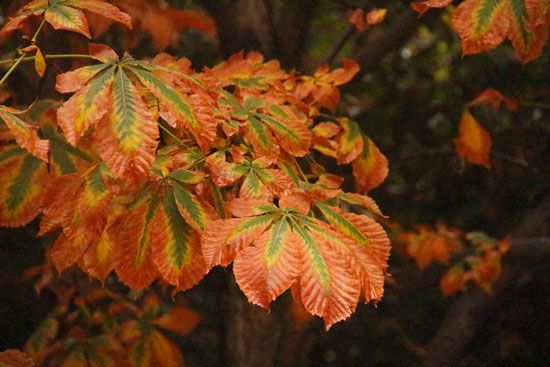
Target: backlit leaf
x,y
473,142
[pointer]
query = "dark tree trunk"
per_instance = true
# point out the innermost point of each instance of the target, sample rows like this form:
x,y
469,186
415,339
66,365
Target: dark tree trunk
x,y
277,28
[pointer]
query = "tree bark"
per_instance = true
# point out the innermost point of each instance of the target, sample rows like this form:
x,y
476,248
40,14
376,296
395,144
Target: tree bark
x,y
277,28
256,337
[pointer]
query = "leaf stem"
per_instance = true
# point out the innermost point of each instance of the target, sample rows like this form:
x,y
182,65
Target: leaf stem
x,y
167,131
55,56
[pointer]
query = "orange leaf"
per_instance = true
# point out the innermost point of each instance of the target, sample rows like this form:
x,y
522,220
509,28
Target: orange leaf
x,y
165,353
165,23
494,99
370,169
15,358
357,18
180,320
269,266
452,281
423,6
376,16
473,142
39,63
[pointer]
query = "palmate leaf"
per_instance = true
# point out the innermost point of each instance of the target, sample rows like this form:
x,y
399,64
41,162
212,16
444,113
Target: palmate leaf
x,y
111,98
66,14
21,185
484,24
327,264
156,235
176,109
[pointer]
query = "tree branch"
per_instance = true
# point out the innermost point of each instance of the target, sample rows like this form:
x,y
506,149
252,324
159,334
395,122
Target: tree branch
x,y
385,39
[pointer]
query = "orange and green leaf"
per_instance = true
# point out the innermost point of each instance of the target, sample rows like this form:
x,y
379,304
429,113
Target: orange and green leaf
x,y
269,266
26,135
89,104
21,186
127,137
222,238
176,249
370,169
132,233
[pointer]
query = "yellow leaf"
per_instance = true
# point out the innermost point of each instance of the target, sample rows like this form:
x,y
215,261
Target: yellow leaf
x,y
39,63
376,16
473,142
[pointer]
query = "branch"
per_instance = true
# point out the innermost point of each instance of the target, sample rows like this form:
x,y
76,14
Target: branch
x,y
449,152
467,313
339,43
385,39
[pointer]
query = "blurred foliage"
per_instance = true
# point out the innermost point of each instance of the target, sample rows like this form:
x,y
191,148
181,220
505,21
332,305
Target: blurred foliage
x,y
410,105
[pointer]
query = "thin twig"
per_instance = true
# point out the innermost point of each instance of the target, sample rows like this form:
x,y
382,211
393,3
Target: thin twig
x,y
496,155
56,56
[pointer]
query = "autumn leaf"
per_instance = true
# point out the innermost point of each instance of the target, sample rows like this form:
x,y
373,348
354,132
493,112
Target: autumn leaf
x,y
21,187
39,63
270,265
25,134
349,140
370,169
15,358
484,24
376,16
163,22
109,98
65,14
427,245
180,320
473,142
321,90
269,245
423,6
453,281
495,99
